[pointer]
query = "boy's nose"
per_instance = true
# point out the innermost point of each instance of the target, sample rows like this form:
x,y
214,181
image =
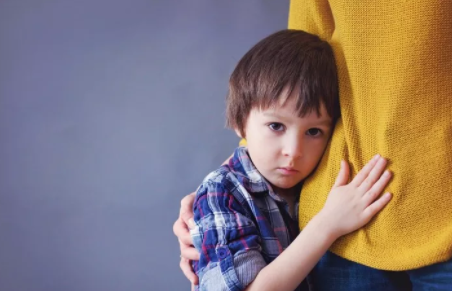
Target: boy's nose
x,y
294,149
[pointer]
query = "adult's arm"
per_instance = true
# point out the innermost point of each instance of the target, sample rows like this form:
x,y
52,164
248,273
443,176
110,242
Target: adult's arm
x,y
181,229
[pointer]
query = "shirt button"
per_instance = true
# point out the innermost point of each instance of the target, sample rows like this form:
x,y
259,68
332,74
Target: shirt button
x,y
222,252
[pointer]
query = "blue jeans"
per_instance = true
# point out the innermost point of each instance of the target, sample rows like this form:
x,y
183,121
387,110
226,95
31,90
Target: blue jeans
x,y
334,273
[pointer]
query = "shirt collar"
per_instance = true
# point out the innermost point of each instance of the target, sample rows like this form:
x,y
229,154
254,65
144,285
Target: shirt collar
x,y
249,176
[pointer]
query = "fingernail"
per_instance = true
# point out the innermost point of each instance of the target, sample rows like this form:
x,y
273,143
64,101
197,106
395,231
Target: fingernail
x,y
376,156
191,223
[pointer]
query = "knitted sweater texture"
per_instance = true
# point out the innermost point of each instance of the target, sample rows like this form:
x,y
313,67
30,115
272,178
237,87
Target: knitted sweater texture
x,y
395,74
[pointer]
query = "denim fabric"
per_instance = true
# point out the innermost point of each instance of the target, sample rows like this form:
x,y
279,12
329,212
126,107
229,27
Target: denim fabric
x,y
437,277
334,273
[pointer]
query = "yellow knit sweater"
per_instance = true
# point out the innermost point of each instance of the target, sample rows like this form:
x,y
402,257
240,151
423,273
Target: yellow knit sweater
x,y
395,73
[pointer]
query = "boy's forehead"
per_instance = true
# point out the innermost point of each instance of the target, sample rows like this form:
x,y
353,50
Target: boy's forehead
x,y
285,106
288,94
286,100
288,109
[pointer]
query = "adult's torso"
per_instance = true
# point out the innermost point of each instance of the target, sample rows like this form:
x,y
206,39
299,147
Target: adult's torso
x,y
395,73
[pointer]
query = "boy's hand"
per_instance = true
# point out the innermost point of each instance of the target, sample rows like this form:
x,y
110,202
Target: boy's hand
x,y
351,206
181,229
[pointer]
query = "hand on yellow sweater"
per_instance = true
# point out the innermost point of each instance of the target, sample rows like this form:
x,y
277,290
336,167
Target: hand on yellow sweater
x,y
351,206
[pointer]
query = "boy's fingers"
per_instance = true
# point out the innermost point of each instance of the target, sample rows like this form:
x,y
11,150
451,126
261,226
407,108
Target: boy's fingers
x,y
181,231
375,207
362,175
374,175
188,271
342,177
378,187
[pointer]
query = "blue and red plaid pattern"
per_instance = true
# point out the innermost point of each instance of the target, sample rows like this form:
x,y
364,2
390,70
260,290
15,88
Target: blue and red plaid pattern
x,y
236,212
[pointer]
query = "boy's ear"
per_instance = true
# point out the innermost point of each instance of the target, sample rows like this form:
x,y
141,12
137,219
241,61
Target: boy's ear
x,y
238,133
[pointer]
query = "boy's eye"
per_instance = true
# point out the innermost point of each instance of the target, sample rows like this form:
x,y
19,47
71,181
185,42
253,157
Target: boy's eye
x,y
314,132
275,126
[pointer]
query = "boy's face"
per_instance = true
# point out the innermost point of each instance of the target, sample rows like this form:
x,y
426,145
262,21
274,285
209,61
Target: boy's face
x,y
286,148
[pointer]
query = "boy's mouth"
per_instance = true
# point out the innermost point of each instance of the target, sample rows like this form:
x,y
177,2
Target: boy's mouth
x,y
287,170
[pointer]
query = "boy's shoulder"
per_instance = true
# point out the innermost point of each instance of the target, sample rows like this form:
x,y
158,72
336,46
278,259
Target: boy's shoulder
x,y
220,173
239,178
228,177
220,178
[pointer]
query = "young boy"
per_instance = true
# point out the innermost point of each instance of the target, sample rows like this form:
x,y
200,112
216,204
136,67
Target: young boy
x,y
283,99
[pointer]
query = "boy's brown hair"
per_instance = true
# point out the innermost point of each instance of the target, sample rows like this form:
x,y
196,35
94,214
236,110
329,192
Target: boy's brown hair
x,y
288,59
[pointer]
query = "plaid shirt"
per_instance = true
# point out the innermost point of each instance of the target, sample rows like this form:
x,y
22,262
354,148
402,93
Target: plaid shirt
x,y
241,225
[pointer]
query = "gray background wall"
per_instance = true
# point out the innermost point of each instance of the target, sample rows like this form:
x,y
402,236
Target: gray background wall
x,y
110,112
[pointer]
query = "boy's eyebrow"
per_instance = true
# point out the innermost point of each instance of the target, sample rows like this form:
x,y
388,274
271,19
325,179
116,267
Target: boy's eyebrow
x,y
275,115
324,122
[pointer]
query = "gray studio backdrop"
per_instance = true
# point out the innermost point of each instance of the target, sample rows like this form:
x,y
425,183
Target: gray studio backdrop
x,y
110,112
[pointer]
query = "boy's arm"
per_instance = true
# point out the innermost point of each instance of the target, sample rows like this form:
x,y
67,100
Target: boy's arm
x,y
348,207
227,239
181,229
289,269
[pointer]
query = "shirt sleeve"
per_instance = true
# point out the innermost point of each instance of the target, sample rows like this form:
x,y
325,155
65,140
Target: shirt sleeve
x,y
228,240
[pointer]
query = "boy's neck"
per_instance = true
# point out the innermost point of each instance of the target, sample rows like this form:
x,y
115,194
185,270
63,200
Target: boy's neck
x,y
290,196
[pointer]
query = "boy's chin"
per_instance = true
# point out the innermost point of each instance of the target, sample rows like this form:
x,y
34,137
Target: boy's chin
x,y
284,186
